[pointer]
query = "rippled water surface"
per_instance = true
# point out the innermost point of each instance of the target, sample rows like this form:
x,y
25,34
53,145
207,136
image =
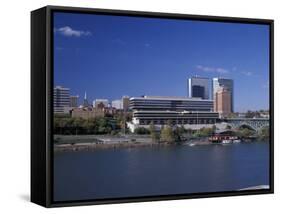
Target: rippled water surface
x,y
110,173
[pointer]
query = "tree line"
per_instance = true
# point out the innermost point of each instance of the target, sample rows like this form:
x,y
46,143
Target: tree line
x,y
170,134
77,126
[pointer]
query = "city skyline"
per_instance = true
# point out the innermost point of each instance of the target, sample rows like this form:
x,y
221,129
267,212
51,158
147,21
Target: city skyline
x,y
111,56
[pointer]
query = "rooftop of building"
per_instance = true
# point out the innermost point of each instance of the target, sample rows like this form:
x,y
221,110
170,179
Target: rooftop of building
x,y
177,98
178,112
222,78
198,77
61,87
101,99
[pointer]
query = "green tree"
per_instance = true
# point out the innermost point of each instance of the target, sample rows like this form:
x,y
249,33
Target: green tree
x,y
214,128
205,132
182,129
169,123
153,133
245,132
232,115
78,124
178,135
141,130
56,125
189,131
167,134
264,133
228,127
63,123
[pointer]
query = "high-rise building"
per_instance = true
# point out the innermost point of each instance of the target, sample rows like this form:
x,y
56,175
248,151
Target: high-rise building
x,y
117,104
217,83
198,87
100,102
125,103
61,100
74,101
222,101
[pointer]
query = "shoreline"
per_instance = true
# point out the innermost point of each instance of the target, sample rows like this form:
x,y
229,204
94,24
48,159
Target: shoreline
x,y
90,143
93,146
94,142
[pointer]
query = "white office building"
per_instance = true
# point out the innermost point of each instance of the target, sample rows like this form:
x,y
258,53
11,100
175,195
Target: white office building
x,y
61,100
193,113
118,104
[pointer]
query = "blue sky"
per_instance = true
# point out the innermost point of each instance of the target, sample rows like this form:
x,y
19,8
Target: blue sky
x,y
112,56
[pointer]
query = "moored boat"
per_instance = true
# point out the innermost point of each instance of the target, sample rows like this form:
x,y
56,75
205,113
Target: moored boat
x,y
226,141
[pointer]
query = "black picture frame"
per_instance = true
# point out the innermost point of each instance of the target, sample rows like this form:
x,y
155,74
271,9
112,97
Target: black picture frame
x,y
41,104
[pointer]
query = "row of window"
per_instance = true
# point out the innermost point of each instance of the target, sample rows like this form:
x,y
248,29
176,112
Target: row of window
x,y
179,122
175,116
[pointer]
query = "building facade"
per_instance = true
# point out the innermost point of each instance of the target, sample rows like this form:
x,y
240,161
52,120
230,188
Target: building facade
x,y
222,102
98,102
87,113
154,103
217,83
125,103
117,104
61,100
122,104
198,87
74,101
174,117
192,113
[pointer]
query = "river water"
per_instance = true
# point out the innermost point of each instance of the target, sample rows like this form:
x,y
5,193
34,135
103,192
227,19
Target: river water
x,y
125,172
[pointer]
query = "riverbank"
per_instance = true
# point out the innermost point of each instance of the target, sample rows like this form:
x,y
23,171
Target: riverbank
x,y
93,142
94,146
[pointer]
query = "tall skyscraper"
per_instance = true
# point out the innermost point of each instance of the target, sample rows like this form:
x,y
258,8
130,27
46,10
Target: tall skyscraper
x,y
61,99
85,102
217,83
222,101
74,101
125,103
198,87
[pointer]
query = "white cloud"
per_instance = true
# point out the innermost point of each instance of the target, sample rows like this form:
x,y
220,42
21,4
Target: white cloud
x,y
212,69
69,32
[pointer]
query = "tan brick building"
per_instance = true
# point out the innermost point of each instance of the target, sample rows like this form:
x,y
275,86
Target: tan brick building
x,y
222,102
87,113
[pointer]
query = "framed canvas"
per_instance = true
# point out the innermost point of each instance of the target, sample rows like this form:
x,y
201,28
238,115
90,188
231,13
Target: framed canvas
x,y
133,106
